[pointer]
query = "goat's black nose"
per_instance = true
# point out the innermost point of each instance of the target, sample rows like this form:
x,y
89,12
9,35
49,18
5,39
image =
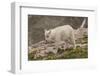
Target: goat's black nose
x,y
46,41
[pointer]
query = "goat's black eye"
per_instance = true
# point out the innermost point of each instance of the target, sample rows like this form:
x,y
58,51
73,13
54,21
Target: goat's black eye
x,y
47,36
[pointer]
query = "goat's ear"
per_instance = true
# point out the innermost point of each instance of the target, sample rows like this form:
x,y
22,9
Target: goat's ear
x,y
49,32
45,30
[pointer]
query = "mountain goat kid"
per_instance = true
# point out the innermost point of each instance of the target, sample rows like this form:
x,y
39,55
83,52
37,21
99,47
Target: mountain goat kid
x,y
62,33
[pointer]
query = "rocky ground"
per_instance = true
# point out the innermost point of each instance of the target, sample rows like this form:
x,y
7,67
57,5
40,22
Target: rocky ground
x,y
47,51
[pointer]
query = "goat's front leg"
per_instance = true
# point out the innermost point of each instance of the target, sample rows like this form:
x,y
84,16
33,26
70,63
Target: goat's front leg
x,y
73,41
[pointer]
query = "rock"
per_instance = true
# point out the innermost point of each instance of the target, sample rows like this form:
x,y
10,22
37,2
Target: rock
x,y
51,49
42,49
